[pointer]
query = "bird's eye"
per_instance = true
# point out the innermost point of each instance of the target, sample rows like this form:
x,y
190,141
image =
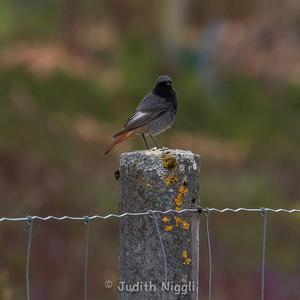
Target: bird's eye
x,y
168,83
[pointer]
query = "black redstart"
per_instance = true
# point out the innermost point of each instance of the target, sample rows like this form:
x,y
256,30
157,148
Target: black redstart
x,y
155,113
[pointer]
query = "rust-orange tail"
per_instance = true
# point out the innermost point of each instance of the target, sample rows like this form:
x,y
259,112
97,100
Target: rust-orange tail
x,y
118,139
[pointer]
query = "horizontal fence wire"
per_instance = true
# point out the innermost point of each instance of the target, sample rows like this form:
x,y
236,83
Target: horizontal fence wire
x,y
150,212
258,210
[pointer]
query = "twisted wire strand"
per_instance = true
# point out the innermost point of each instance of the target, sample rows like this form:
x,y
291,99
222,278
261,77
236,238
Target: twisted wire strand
x,y
258,210
150,212
73,218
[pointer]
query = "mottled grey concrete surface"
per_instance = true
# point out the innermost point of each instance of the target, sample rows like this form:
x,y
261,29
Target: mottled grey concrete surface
x,y
159,180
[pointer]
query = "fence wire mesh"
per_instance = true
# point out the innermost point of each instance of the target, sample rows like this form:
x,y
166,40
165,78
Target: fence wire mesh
x,y
207,212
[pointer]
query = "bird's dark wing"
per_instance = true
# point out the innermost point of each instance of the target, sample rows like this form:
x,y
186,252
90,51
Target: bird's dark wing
x,y
153,102
150,108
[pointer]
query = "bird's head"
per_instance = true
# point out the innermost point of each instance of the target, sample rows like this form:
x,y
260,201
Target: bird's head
x,y
163,86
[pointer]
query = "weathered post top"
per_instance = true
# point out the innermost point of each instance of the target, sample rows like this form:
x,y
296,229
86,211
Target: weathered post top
x,y
159,253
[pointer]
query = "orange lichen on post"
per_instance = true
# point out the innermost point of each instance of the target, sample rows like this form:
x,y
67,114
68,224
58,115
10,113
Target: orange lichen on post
x,y
179,221
168,228
186,225
169,161
187,260
171,180
165,219
183,191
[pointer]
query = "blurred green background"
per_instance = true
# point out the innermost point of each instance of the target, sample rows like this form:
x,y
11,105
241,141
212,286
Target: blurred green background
x,y
71,72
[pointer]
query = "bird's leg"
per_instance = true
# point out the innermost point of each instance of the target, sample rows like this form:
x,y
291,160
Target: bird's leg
x,y
145,141
154,141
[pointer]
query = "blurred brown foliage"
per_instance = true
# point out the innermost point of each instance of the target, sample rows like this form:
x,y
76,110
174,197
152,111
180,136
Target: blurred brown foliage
x,y
71,71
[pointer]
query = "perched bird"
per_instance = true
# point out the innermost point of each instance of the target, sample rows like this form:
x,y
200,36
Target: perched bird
x,y
155,113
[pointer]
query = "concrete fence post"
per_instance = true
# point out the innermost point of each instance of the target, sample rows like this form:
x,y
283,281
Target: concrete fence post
x,y
159,253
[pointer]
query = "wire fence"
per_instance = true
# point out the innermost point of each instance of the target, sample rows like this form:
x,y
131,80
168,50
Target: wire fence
x,y
207,212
